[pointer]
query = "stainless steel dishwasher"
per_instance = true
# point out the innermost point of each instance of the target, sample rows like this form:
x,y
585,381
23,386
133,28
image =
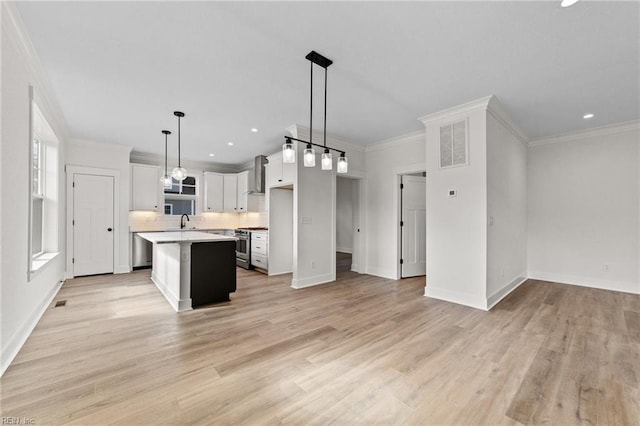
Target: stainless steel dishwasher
x,y
142,252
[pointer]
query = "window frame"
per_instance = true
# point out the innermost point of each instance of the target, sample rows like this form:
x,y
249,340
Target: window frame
x,y
183,197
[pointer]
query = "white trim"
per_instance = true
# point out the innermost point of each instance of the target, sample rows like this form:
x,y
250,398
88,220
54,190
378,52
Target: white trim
x,y
397,173
611,129
623,286
178,305
497,111
314,280
15,342
70,170
504,291
456,112
396,141
456,297
382,272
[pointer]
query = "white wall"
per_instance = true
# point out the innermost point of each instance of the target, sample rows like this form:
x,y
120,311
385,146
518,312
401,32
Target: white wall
x,y
280,231
384,162
346,192
23,301
507,209
583,208
457,226
115,157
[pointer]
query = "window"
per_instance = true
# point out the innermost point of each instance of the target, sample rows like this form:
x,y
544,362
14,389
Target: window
x,y
37,196
181,197
43,175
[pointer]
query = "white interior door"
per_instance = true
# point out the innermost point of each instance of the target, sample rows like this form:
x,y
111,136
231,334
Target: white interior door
x,y
414,226
92,224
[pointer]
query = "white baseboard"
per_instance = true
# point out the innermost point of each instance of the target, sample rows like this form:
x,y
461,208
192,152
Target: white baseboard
x,y
271,272
178,305
122,269
16,341
504,291
314,280
344,250
456,297
623,286
381,272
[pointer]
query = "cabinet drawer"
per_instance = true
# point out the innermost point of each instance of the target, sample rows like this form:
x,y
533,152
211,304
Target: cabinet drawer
x,y
259,261
259,247
259,236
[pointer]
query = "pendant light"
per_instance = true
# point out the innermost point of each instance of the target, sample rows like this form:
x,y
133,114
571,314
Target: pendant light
x,y
309,154
166,178
179,172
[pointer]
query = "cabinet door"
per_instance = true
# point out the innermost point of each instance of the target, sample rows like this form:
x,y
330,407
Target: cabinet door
x,y
213,184
288,171
230,193
275,169
243,191
145,187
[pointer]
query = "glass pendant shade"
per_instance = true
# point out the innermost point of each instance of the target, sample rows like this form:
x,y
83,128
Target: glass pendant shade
x,y
288,154
309,156
179,173
327,163
343,166
166,181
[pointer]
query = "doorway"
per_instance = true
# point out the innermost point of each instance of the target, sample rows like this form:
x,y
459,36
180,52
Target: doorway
x,y
413,221
348,223
92,221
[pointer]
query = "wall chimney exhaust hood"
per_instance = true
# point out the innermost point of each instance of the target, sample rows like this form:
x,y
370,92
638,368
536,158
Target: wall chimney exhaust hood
x,y
259,183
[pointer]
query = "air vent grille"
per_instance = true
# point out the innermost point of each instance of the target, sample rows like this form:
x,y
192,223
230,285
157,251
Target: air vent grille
x,y
453,144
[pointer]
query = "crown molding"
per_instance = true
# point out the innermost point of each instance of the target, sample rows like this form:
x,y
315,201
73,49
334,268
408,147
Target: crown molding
x,y
158,160
610,129
397,141
497,111
86,142
481,104
14,29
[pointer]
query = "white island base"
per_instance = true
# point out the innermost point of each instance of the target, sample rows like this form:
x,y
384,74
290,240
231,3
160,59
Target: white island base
x,y
172,263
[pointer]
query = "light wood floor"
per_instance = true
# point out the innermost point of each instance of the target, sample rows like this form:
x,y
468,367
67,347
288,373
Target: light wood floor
x,y
363,350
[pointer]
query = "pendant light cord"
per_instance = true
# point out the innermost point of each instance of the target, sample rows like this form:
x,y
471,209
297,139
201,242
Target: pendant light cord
x,y
311,106
165,154
324,133
179,165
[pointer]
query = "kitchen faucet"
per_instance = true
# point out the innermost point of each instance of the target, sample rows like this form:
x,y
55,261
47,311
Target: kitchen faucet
x,y
182,223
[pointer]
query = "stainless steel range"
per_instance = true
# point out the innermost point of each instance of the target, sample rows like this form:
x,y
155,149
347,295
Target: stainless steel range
x,y
243,245
243,248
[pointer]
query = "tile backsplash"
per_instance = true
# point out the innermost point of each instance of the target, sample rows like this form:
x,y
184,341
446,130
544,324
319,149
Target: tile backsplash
x,y
151,221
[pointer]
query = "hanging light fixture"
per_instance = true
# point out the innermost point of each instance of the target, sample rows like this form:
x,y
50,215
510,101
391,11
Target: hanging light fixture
x,y
179,172
309,155
166,178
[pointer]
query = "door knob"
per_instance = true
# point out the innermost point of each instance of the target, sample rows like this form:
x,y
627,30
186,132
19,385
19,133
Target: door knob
x,y
109,229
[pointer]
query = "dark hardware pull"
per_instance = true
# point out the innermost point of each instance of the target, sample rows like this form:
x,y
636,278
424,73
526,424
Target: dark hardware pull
x,y
109,229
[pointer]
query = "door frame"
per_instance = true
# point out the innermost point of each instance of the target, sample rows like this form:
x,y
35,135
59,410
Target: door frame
x,y
70,170
358,254
397,212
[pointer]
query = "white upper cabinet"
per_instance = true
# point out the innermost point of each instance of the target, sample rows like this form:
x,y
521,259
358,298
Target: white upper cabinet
x,y
230,193
279,173
213,192
243,191
145,187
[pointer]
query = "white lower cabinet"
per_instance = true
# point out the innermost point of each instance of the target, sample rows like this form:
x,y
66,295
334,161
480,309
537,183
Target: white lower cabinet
x,y
259,245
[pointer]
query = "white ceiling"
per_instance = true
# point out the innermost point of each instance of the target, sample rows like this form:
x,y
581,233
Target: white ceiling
x,y
119,69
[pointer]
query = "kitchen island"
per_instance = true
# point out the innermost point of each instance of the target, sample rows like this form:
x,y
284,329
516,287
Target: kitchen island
x,y
192,268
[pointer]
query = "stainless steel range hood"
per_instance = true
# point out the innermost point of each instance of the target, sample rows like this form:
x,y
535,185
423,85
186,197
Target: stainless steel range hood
x,y
258,184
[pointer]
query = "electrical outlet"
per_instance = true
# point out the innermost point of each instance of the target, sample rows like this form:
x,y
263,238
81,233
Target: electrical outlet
x,y
313,265
502,272
605,268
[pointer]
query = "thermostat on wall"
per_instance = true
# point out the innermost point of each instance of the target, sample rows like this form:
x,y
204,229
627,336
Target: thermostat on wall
x,y
453,192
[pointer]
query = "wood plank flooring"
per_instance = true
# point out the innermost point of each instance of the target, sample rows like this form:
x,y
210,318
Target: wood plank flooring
x,y
363,350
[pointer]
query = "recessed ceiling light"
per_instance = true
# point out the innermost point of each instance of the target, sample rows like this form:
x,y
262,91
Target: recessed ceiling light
x,y
230,143
567,3
254,130
212,155
588,116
